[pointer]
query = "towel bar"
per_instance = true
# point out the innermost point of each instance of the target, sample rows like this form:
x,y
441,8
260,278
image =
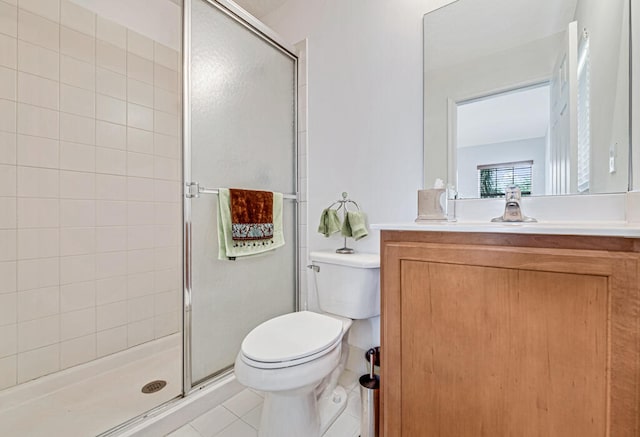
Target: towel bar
x,y
194,190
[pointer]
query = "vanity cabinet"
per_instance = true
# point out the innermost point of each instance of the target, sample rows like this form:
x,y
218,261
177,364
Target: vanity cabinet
x,y
509,335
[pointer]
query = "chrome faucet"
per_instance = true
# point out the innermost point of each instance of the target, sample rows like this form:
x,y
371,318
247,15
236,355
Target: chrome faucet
x,y
512,210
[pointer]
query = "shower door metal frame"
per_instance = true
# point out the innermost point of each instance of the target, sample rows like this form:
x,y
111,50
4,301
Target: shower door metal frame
x,y
232,10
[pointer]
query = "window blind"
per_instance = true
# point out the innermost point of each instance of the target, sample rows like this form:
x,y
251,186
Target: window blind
x,y
494,178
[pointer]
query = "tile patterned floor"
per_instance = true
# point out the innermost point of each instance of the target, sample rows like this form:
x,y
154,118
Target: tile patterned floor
x,y
240,415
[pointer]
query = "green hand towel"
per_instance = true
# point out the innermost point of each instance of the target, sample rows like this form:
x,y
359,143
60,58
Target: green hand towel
x,y
227,247
354,225
329,222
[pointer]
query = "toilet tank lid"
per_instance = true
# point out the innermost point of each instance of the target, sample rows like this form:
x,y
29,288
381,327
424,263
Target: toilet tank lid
x,y
361,260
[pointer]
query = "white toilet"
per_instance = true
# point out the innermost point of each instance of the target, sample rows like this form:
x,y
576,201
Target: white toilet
x,y
296,359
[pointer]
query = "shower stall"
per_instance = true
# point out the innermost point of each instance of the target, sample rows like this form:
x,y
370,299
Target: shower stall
x,y
119,122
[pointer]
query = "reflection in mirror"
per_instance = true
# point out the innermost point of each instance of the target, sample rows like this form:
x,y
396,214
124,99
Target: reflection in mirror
x,y
532,92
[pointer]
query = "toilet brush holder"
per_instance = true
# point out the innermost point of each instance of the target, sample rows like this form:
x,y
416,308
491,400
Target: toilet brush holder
x,y
370,399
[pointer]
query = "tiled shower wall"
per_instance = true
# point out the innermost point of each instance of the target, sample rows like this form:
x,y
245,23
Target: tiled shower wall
x,y
89,188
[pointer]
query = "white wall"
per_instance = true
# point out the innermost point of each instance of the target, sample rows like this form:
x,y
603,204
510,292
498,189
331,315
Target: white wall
x,y
469,158
364,105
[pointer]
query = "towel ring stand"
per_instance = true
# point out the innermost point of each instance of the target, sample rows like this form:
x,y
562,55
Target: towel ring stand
x,y
342,204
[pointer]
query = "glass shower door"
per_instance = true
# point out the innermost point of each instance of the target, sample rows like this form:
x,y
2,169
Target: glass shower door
x,y
242,121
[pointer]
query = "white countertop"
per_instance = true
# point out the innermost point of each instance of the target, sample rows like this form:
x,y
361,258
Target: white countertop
x,y
594,228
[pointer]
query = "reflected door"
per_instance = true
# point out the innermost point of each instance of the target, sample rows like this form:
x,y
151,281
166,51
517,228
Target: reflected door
x,y
242,121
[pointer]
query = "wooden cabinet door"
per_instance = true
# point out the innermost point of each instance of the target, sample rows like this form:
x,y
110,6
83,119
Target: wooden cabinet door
x,y
495,341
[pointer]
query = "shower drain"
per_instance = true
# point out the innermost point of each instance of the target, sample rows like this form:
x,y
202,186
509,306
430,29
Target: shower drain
x,y
154,386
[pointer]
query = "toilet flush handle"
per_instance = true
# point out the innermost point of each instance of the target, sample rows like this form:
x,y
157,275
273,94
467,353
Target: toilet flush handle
x,y
314,267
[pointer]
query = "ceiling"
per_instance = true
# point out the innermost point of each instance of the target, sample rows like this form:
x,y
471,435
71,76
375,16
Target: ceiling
x,y
260,8
512,116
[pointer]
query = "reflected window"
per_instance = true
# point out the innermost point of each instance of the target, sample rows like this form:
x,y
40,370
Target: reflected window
x,y
494,179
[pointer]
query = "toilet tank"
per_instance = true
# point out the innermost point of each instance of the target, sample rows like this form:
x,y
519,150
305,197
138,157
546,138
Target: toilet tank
x,y
348,285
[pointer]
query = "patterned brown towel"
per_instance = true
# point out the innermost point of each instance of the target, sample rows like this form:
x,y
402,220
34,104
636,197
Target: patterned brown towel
x,y
251,214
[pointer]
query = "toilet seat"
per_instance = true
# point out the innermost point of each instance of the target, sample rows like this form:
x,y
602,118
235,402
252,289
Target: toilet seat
x,y
291,339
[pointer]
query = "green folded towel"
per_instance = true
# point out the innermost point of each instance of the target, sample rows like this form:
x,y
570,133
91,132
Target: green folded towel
x,y
227,248
329,222
354,225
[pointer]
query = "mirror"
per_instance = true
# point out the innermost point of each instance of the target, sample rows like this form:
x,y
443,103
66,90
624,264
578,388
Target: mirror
x,y
531,92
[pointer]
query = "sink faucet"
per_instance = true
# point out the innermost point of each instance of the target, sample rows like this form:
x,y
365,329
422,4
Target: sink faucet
x,y
512,210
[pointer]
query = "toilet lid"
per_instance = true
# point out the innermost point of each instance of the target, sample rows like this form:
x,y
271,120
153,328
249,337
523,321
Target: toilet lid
x,y
291,337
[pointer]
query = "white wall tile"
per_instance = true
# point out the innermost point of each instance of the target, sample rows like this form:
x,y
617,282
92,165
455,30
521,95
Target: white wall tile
x,y
8,308
111,110
167,323
77,45
111,161
140,237
109,187
38,333
77,101
166,280
8,19
77,129
111,84
38,213
39,303
77,351
77,213
77,323
111,135
139,165
139,45
139,68
139,117
140,261
77,241
167,146
37,151
7,115
36,121
77,185
8,51
77,296
49,9
139,140
8,150
8,84
140,189
166,235
167,57
110,264
111,239
112,340
8,371
140,213
8,341
111,213
111,57
80,268
166,124
8,180
168,213
166,302
165,78
166,101
140,332
77,18
111,290
38,243
8,212
78,157
111,315
37,182
38,60
8,277
77,73
38,30
111,32
140,308
39,362
139,92
166,191
36,90
140,284
38,273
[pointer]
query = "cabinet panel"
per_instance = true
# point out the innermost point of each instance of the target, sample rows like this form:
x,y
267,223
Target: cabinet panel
x,y
502,352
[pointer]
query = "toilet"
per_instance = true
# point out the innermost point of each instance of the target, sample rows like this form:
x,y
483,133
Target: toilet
x,y
296,359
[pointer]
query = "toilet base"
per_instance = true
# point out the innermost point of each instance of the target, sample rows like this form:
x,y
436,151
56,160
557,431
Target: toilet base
x,y
287,415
